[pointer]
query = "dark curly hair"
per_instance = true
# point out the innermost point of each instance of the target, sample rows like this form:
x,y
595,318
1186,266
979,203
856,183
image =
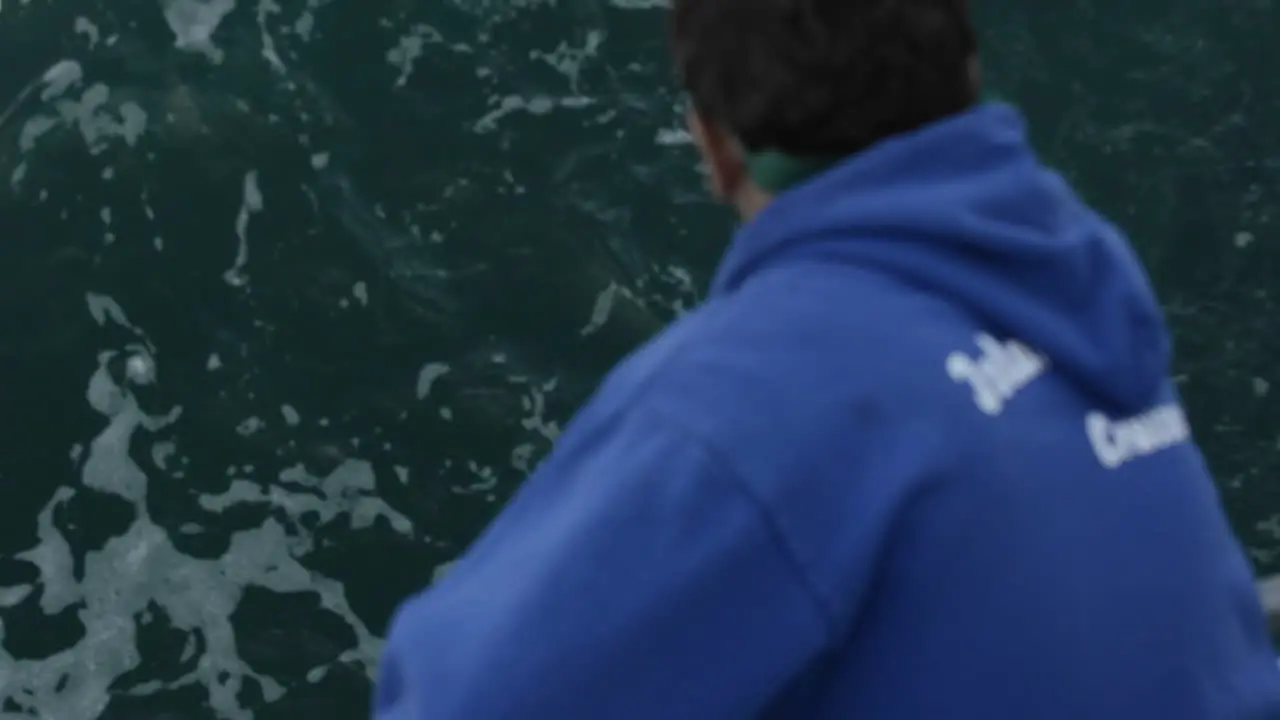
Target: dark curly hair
x,y
823,77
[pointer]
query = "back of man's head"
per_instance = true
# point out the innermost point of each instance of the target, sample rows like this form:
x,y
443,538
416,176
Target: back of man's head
x,y
823,77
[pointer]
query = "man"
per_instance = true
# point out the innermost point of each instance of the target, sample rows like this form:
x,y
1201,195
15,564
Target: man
x,y
918,455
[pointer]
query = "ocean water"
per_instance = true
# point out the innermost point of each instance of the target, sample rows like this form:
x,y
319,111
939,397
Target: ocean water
x,y
293,293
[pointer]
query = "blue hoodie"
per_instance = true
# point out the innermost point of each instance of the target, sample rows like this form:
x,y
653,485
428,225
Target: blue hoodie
x,y
917,456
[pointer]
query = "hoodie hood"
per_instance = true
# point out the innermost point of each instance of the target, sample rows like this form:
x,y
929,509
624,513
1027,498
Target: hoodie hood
x,y
964,210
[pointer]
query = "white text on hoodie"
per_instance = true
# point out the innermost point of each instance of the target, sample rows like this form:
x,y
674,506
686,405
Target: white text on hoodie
x,y
1116,442
999,371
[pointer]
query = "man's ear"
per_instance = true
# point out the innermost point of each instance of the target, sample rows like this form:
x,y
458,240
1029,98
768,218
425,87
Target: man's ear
x,y
721,154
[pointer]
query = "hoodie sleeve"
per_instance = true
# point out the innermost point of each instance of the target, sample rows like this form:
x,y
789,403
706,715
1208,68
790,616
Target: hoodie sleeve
x,y
631,577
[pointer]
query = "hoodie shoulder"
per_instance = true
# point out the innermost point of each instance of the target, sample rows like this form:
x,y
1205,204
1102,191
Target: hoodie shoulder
x,y
818,342
828,417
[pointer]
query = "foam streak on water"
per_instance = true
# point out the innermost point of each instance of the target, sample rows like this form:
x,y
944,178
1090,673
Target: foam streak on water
x,y
194,22
139,572
250,203
253,400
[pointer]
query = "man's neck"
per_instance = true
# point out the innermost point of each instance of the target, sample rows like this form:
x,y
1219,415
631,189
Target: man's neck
x,y
750,201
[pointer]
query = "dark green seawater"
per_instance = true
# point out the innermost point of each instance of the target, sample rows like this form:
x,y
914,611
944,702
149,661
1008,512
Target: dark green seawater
x,y
293,293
